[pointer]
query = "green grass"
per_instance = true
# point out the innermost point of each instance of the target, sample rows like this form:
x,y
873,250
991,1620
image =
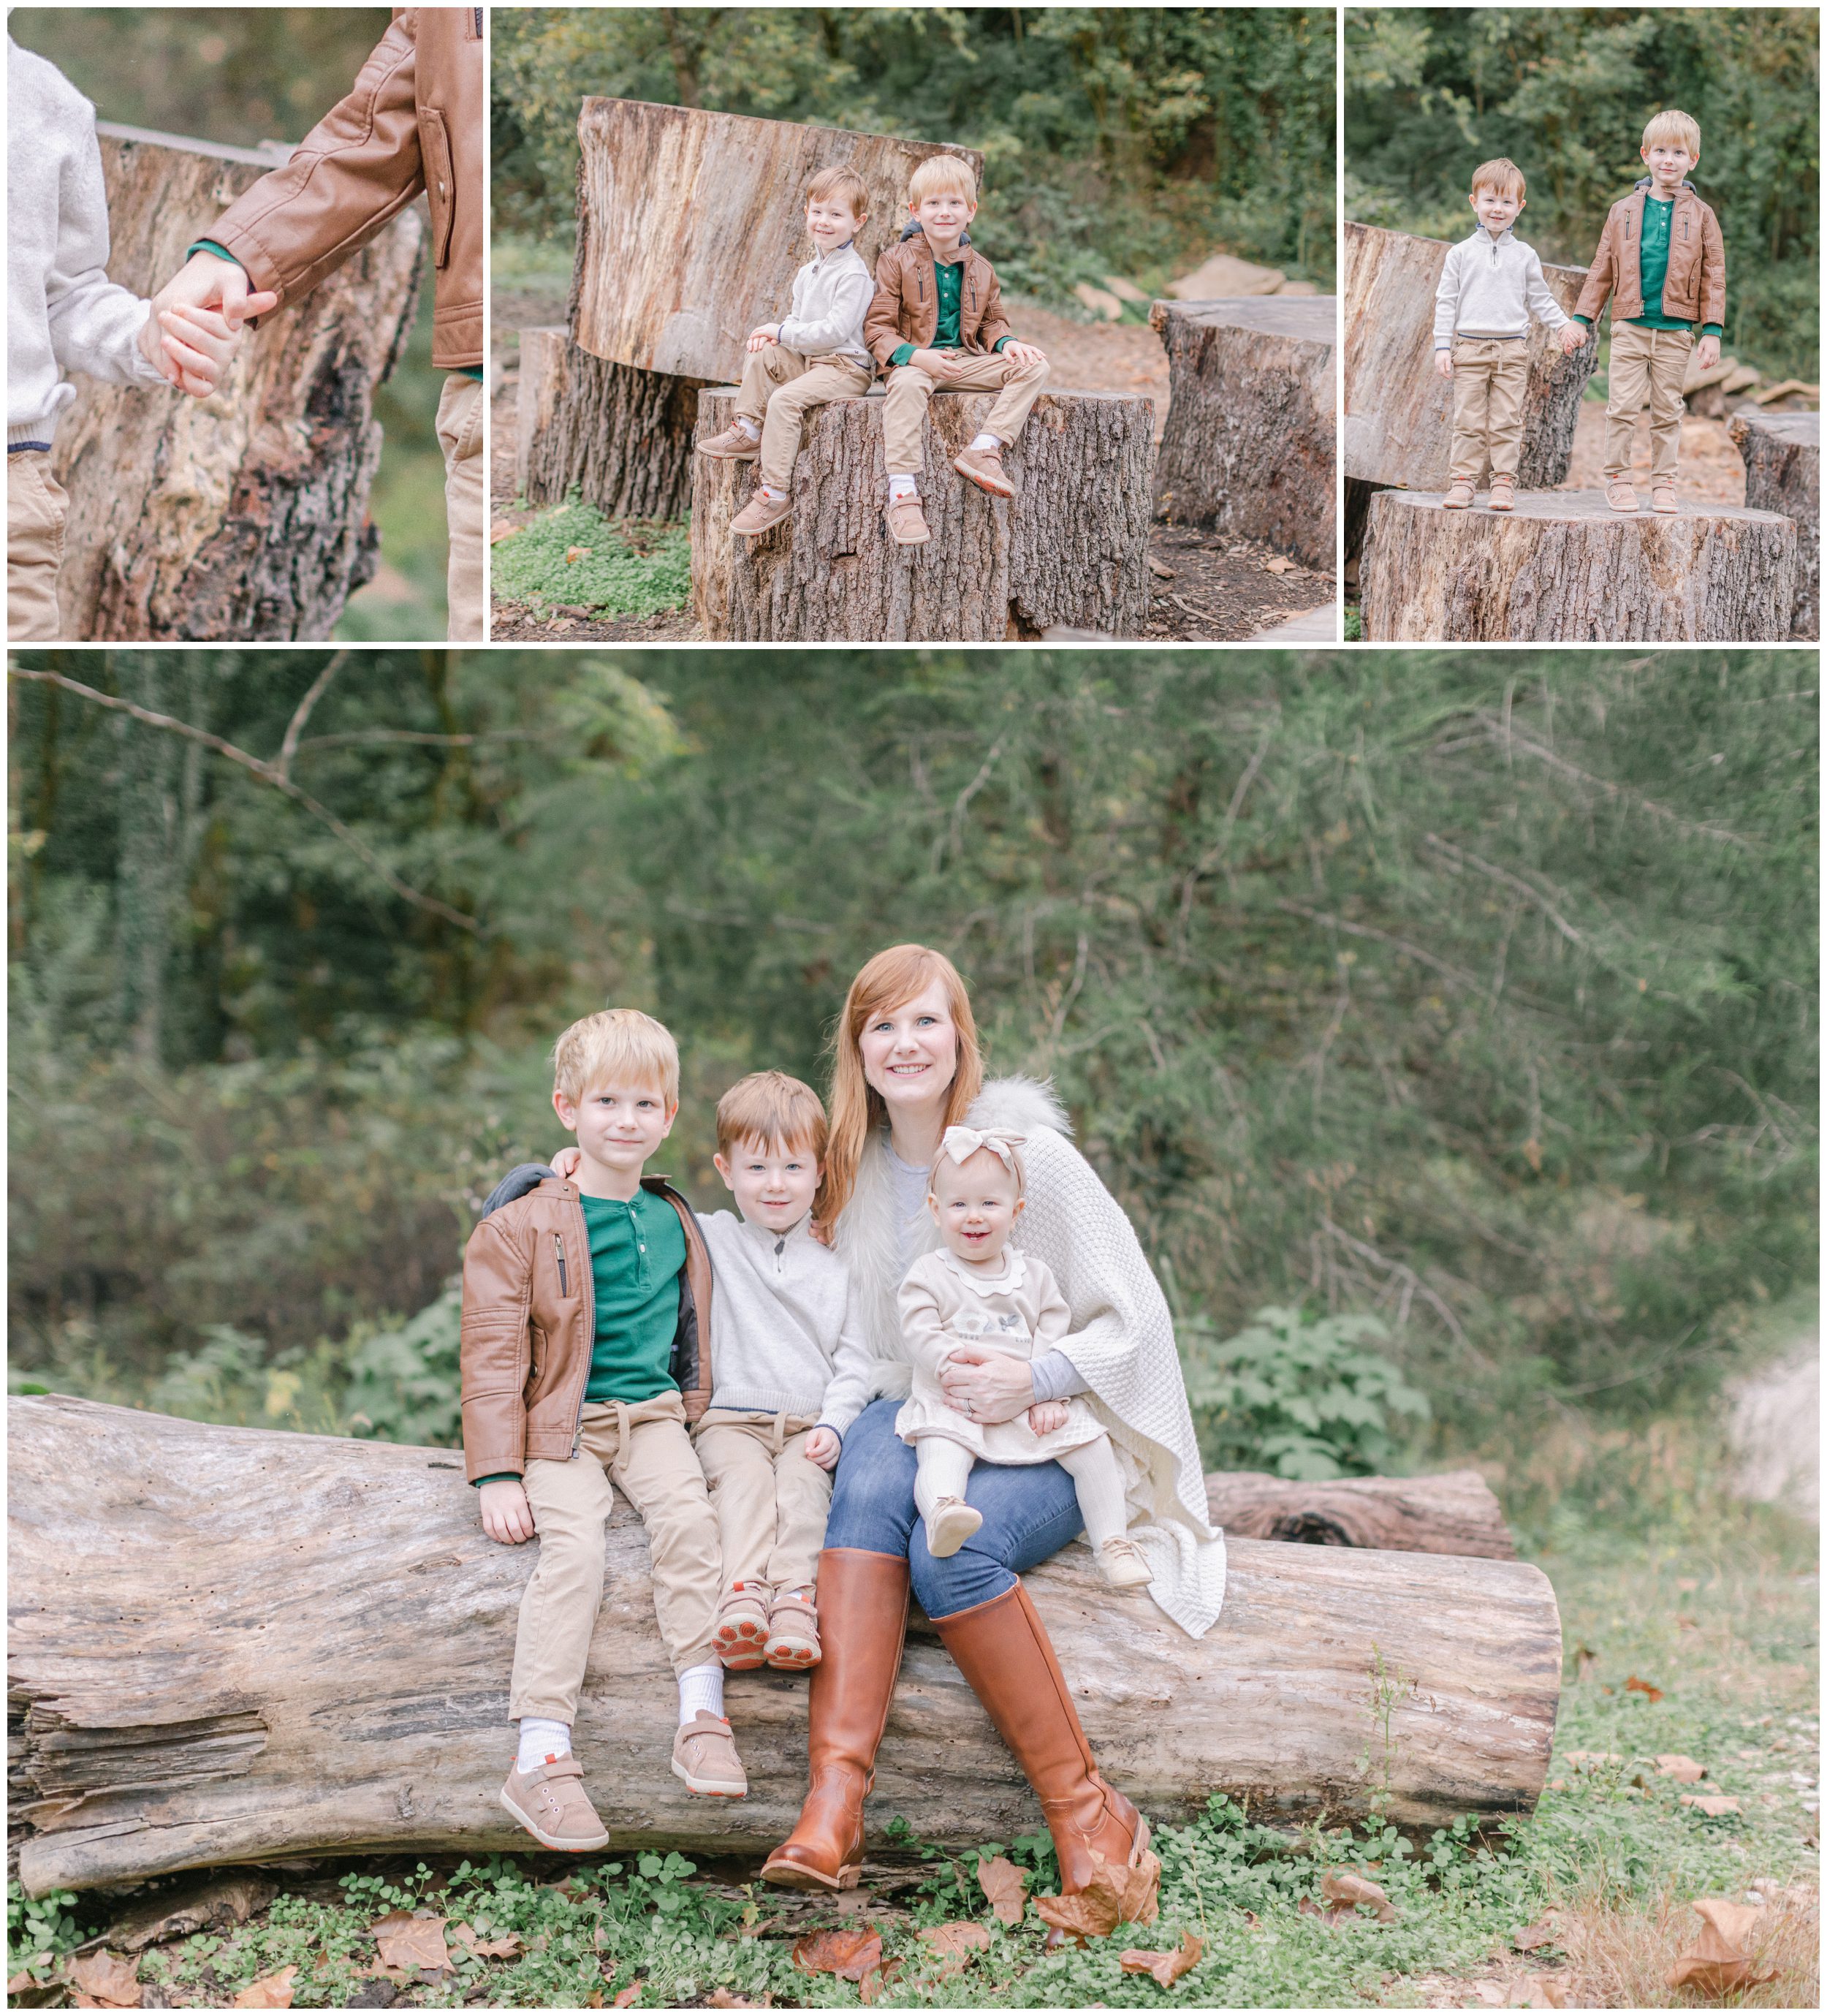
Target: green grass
x,y
627,567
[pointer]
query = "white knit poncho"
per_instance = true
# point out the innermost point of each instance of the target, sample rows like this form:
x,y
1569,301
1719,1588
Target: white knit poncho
x,y
1121,1339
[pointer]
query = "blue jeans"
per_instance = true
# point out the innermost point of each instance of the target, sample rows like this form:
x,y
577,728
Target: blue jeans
x,y
1030,1511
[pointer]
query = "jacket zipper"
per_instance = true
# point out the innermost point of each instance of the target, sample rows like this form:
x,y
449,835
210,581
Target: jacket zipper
x,y
477,12
564,1280
588,1286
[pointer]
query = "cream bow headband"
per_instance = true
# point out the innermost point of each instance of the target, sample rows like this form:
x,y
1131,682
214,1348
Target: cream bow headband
x,y
962,1142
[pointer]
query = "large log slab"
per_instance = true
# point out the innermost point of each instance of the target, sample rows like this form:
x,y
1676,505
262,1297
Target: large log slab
x,y
1453,1512
1070,548
1250,445
1564,568
620,436
245,517
229,1645
1781,454
1398,421
691,225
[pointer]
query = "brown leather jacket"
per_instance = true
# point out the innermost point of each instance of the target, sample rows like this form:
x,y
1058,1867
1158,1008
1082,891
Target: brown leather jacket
x,y
414,120
529,1325
1694,288
906,307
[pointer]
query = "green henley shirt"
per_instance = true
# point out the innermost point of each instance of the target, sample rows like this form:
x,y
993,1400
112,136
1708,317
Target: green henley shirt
x,y
1652,265
637,1251
949,281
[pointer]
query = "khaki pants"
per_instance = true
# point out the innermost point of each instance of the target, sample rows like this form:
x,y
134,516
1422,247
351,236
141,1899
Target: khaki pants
x,y
1648,367
459,435
904,424
1489,375
645,1448
37,506
779,388
770,1502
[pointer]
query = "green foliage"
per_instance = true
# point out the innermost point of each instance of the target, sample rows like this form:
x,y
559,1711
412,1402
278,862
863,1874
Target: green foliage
x,y
629,568
405,1385
1566,93
1301,1398
1126,141
39,1930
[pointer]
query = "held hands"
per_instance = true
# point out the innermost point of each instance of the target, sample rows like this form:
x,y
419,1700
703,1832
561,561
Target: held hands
x,y
997,1386
506,1516
823,1447
761,338
1025,353
1045,1415
1443,363
1572,336
183,338
1707,355
935,363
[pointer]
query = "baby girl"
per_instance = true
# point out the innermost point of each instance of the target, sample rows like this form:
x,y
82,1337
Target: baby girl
x,y
978,1287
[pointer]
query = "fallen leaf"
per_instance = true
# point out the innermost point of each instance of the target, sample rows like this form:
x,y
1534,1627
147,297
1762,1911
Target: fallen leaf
x,y
1117,1894
1345,1892
1278,565
504,532
111,1982
957,1940
1531,1939
503,1948
1634,1685
1160,572
721,1998
1557,1784
628,1995
1712,1806
1542,1991
403,1940
850,1952
1167,1968
874,1985
574,554
1591,1759
1717,1963
271,1991
1687,1624
1672,1765
1006,1886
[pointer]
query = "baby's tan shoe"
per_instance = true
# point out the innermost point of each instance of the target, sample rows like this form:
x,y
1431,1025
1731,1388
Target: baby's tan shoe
x,y
735,444
1458,498
1120,1564
704,1754
983,467
792,1632
549,1801
906,522
952,1524
740,1640
760,514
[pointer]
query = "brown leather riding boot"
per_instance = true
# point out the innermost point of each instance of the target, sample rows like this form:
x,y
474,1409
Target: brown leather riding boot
x,y
1002,1649
862,1625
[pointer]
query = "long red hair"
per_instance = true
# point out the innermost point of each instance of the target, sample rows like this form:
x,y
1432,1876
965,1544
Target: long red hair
x,y
891,980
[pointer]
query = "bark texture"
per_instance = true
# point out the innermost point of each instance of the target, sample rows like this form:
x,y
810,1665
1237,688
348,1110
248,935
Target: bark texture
x,y
1452,1514
1070,548
1781,455
1564,568
1250,445
691,225
229,1645
619,436
244,517
1398,412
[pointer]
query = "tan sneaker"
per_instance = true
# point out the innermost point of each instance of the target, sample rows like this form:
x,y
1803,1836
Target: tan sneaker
x,y
740,1637
1503,493
550,1803
760,513
1662,499
1621,496
1120,1564
906,522
952,1524
704,1754
792,1632
1458,498
984,466
735,444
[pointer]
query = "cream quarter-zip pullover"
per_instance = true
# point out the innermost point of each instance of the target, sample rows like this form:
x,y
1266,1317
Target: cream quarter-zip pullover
x,y
1491,286
831,295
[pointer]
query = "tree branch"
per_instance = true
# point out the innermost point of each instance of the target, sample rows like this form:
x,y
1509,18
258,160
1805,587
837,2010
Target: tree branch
x,y
301,714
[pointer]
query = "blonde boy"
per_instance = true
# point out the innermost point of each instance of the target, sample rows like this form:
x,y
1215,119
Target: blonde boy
x,y
585,1355
1662,257
1490,287
792,1372
815,355
936,321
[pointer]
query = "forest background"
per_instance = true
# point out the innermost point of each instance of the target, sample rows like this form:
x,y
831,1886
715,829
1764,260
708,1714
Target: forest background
x,y
1566,93
238,77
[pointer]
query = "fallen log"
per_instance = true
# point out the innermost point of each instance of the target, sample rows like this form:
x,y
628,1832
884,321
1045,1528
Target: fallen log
x,y
621,437
1454,1513
1070,548
1398,420
1781,454
1251,444
243,518
229,1645
1564,568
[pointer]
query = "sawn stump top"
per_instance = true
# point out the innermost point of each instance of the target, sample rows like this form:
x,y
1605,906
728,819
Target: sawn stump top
x,y
1571,507
1307,318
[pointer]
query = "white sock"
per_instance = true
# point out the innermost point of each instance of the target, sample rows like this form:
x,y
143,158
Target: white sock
x,y
748,427
982,442
902,486
768,491
1100,1484
700,1688
941,1469
541,1741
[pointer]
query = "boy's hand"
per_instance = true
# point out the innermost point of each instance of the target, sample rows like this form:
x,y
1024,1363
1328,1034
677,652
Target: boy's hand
x,y
1443,363
206,281
1707,355
192,347
1572,336
1025,353
935,363
1045,1415
506,1516
768,333
823,1446
564,1164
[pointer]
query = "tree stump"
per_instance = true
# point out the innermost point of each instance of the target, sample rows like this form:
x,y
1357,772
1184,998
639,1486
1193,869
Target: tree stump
x,y
229,1644
620,437
1398,412
1781,455
1250,445
1071,548
244,517
1452,1514
1564,568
